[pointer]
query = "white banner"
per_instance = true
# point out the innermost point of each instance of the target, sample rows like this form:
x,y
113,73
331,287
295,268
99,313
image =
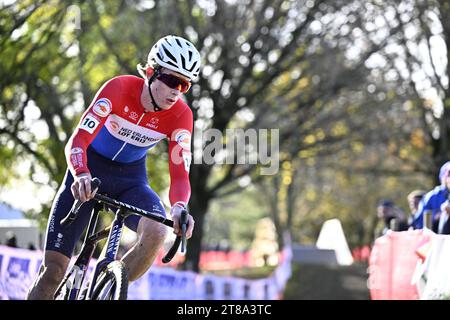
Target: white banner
x,y
435,270
19,268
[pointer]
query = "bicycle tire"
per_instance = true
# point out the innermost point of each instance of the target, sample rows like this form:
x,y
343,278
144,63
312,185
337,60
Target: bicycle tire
x,y
112,283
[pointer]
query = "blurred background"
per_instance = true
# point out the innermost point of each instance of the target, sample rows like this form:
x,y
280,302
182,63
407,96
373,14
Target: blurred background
x,y
359,92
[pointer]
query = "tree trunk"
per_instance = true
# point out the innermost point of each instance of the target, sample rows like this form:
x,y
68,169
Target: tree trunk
x,y
275,210
198,207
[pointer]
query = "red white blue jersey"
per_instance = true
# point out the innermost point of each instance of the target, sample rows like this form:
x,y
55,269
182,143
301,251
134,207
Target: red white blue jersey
x,y
117,126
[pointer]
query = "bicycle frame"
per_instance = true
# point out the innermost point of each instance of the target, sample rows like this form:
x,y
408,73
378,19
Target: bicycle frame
x,y
81,264
80,267
113,234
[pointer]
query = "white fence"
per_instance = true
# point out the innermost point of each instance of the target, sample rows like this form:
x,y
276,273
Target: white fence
x,y
19,267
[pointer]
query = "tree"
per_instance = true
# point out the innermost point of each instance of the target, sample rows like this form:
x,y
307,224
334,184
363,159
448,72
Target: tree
x,y
305,69
287,64
421,64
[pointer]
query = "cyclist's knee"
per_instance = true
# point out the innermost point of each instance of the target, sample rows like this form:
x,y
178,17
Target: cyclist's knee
x,y
151,231
55,271
53,274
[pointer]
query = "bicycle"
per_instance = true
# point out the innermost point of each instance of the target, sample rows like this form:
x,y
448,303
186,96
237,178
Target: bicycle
x,y
110,280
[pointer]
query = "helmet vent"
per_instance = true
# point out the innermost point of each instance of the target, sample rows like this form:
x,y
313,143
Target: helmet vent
x,y
167,52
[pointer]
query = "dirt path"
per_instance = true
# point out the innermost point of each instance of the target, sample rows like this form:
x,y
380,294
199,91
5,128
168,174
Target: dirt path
x,y
319,282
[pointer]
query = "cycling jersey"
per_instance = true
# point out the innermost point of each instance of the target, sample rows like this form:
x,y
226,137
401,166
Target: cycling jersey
x,y
117,126
111,142
126,182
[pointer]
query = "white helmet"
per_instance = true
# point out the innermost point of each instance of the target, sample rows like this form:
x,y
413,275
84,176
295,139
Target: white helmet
x,y
176,54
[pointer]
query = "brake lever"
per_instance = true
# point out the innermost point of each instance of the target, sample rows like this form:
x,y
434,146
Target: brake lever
x,y
183,221
178,240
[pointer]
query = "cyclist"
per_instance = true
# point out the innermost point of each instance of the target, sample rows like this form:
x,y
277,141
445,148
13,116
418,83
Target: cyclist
x,y
127,116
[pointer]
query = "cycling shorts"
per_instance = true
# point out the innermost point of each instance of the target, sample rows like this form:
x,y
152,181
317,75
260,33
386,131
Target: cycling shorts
x,y
123,182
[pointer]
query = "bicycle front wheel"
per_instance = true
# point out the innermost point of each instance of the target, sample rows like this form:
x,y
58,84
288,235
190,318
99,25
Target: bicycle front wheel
x,y
112,283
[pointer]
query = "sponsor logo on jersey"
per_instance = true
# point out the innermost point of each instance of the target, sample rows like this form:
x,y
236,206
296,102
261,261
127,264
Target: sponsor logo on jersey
x,y
102,107
76,150
51,227
156,208
136,136
115,126
134,115
153,123
183,138
59,240
89,123
129,132
77,160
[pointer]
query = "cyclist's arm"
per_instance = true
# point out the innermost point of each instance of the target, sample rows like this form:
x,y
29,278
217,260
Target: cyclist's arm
x,y
180,159
90,124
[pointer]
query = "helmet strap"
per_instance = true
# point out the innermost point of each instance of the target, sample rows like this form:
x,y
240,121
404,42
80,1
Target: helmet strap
x,y
152,78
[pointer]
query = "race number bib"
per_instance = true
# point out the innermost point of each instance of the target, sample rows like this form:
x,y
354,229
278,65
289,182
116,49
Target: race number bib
x,y
89,123
187,158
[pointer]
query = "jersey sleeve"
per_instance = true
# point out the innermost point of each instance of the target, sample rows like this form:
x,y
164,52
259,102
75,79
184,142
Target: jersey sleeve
x,y
180,159
90,124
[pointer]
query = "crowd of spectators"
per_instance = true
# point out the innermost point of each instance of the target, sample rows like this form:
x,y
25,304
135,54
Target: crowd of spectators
x,y
434,204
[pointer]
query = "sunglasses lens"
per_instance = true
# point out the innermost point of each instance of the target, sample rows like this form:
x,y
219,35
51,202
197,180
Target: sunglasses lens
x,y
174,82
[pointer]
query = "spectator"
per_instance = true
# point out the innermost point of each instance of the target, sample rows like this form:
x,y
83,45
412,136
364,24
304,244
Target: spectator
x,y
413,201
443,225
11,239
433,200
391,216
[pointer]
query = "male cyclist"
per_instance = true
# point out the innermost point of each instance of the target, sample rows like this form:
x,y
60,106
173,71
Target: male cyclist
x,y
127,116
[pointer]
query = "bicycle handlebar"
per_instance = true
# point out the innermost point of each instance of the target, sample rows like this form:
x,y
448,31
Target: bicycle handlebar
x,y
179,239
183,222
95,183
